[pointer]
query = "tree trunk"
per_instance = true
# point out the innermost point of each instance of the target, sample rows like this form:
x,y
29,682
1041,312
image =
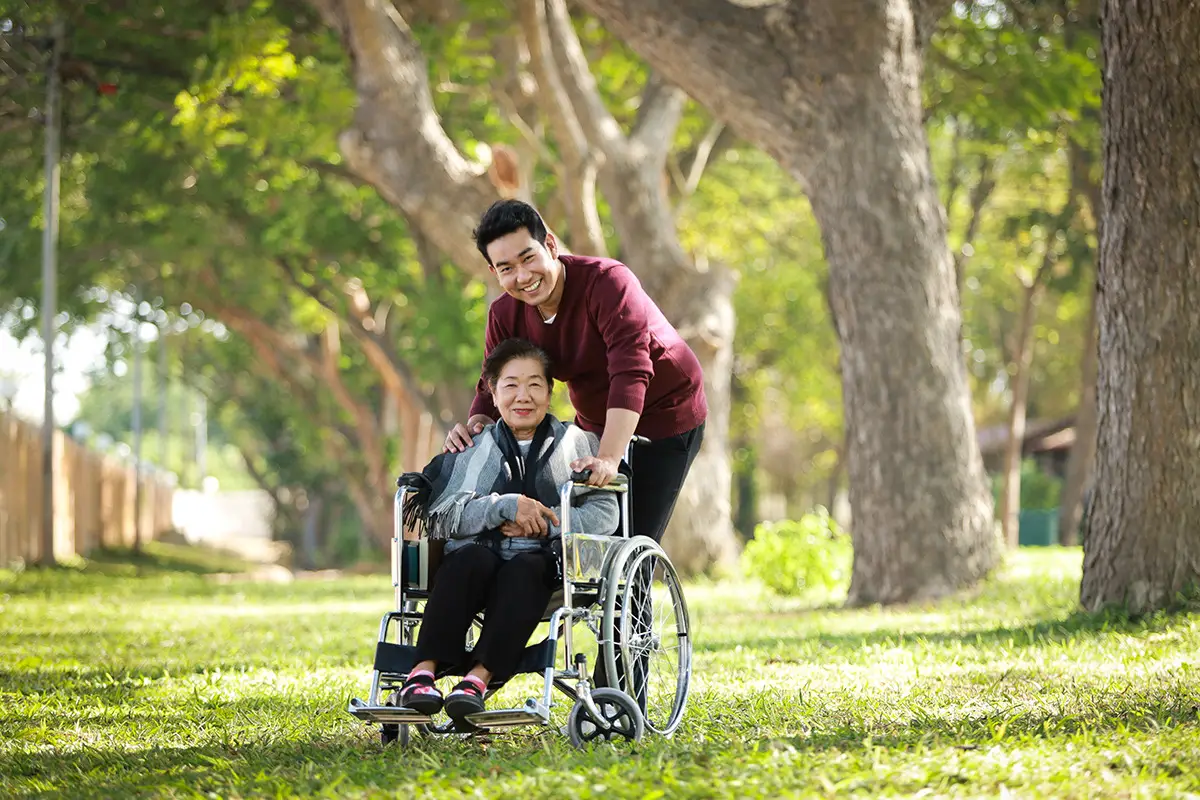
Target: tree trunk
x,y
922,512
1141,547
1010,495
309,550
833,93
1083,451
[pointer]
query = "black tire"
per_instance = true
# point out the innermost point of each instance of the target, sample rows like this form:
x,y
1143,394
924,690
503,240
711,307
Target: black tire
x,y
392,733
617,708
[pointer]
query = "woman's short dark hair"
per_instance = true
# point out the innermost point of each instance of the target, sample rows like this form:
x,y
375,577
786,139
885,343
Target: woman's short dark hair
x,y
511,350
505,217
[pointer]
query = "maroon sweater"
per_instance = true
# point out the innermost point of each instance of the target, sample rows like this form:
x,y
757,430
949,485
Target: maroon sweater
x,y
612,346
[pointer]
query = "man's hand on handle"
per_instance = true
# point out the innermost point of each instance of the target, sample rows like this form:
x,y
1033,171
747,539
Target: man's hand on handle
x,y
603,469
459,438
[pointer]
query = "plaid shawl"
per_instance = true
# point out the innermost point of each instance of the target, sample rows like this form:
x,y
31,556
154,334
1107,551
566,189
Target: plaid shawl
x,y
493,465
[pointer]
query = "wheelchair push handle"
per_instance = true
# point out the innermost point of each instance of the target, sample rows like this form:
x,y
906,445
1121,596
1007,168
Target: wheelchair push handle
x,y
619,483
582,476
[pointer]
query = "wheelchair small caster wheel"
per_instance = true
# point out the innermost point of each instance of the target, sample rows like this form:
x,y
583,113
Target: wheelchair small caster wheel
x,y
618,710
390,732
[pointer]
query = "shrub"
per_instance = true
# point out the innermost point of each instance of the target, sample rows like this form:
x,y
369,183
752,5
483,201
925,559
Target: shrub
x,y
1039,489
794,556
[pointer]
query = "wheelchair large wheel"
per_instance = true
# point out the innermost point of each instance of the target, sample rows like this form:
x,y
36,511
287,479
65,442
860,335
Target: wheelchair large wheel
x,y
647,644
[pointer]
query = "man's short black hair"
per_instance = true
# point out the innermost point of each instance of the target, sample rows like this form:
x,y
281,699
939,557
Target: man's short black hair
x,y
510,350
505,217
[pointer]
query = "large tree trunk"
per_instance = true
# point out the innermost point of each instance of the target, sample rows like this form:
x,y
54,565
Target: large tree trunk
x,y
1142,547
833,93
1083,451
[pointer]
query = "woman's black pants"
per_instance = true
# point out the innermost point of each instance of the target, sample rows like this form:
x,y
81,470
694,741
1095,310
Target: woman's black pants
x,y
475,578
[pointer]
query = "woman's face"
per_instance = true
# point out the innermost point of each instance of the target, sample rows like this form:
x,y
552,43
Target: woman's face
x,y
522,395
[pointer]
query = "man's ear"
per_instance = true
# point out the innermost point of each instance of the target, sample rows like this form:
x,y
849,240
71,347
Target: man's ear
x,y
551,245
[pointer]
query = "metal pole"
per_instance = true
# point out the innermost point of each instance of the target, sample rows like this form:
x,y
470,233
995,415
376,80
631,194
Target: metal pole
x,y
163,384
137,423
201,438
49,284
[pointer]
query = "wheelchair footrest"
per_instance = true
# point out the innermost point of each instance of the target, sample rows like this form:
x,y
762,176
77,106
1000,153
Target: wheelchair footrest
x,y
389,714
506,718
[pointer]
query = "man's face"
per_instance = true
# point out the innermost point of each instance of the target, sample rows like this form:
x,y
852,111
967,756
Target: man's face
x,y
527,269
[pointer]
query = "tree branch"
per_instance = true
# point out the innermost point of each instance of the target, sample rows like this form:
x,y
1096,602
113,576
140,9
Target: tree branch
x,y
397,142
601,128
709,146
658,118
578,175
725,44
339,171
953,181
980,193
1062,221
395,373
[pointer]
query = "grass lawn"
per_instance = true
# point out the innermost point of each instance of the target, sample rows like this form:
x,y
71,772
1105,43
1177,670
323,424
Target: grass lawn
x,y
119,680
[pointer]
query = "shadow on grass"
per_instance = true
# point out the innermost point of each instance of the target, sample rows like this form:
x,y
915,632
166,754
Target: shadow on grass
x,y
155,560
115,683
1057,630
314,763
160,559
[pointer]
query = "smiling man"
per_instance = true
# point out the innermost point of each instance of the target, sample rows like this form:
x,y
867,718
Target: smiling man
x,y
627,370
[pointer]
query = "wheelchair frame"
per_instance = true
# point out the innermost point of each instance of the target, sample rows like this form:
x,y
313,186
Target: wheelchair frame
x,y
593,566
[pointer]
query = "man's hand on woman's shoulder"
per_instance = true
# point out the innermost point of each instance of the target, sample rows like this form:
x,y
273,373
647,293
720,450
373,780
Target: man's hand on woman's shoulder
x,y
460,436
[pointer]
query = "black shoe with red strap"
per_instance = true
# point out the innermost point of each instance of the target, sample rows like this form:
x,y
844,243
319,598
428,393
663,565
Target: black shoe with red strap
x,y
465,698
419,693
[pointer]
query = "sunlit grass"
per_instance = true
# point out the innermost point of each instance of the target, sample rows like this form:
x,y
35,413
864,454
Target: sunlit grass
x,y
152,679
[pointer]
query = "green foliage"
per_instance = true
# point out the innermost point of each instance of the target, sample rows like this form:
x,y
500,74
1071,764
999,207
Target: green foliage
x,y
1040,490
793,557
154,681
1013,93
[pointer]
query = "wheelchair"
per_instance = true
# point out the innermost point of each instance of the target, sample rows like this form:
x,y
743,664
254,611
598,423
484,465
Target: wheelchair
x,y
622,587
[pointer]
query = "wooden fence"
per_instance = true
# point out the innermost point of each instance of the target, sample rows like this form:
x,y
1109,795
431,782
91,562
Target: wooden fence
x,y
94,497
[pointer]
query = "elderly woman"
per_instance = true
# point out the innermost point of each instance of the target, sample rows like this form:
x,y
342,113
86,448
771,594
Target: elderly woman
x,y
496,504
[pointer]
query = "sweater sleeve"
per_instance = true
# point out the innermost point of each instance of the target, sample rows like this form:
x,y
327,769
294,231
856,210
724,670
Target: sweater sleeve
x,y
621,309
496,333
484,513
